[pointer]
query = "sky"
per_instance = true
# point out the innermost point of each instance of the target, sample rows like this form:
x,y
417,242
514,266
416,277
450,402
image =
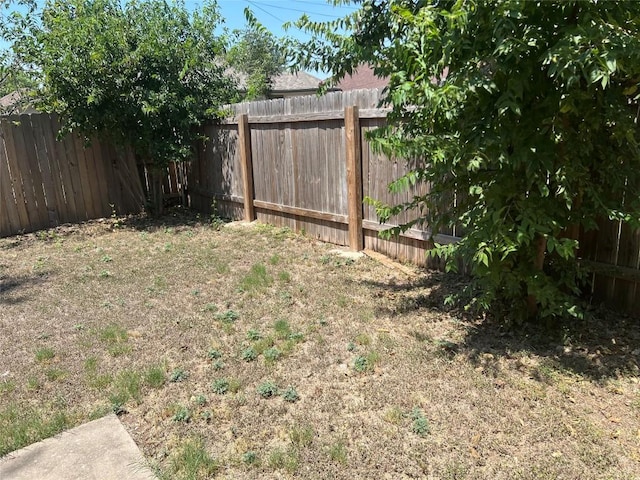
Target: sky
x,y
274,13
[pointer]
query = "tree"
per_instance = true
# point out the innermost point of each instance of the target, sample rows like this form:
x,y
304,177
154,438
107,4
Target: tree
x,y
16,18
142,73
258,54
527,110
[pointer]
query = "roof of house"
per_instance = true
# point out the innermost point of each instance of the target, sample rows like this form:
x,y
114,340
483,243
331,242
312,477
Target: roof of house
x,y
284,82
16,102
363,77
295,82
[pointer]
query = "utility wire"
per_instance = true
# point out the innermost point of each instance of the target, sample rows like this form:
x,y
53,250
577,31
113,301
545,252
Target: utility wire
x,y
295,10
265,11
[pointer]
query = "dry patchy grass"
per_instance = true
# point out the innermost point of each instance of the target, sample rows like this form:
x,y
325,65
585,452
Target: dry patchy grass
x,y
251,352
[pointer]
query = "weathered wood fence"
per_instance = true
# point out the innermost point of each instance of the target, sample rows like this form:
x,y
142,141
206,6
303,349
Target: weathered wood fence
x,y
305,164
300,162
45,182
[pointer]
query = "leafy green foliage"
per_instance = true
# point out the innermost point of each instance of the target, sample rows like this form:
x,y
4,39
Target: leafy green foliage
x,y
248,354
420,425
267,389
522,119
17,17
290,394
220,386
259,55
141,73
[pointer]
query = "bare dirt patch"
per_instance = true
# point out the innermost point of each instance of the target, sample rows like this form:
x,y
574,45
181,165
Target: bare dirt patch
x,y
274,358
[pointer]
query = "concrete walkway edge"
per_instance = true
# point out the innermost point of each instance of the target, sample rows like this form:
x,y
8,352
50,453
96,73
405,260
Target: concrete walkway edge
x,y
98,450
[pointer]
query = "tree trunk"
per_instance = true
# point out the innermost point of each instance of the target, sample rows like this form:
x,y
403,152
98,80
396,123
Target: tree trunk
x,y
540,245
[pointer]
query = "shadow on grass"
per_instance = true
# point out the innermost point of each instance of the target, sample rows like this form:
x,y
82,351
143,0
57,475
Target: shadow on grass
x,y
606,345
10,286
174,217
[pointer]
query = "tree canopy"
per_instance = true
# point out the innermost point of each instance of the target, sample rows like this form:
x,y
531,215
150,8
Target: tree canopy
x,y
257,53
16,18
521,115
143,73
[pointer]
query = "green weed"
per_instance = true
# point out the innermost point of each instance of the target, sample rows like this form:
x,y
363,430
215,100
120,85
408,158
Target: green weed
x,y
338,453
155,377
420,425
181,414
55,374
256,279
272,354
248,354
21,425
213,354
229,316
274,259
267,389
178,375
282,329
116,338
290,394
220,386
250,458
254,335
7,386
44,354
218,365
191,462
126,386
284,277
366,363
301,436
33,383
284,459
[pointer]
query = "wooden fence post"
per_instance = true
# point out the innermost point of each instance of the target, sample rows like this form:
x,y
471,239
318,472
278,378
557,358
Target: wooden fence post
x,y
247,166
354,177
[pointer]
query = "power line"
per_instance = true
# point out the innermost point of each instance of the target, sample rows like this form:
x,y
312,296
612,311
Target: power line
x,y
324,3
265,11
296,10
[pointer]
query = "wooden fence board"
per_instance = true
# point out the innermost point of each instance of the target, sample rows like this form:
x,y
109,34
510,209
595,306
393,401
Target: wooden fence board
x,y
66,202
16,178
9,219
48,185
32,182
46,182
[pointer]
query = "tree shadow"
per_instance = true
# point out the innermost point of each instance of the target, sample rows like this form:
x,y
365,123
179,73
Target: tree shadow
x,y
605,345
175,218
11,286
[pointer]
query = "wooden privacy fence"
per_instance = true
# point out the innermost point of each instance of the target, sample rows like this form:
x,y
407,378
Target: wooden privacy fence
x,y
304,163
45,182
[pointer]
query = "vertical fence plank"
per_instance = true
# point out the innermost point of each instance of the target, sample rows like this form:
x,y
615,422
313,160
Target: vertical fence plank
x,y
31,175
64,162
9,219
354,176
247,166
48,180
15,166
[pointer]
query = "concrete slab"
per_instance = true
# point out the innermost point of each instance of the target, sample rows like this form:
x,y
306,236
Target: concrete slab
x,y
344,253
98,450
